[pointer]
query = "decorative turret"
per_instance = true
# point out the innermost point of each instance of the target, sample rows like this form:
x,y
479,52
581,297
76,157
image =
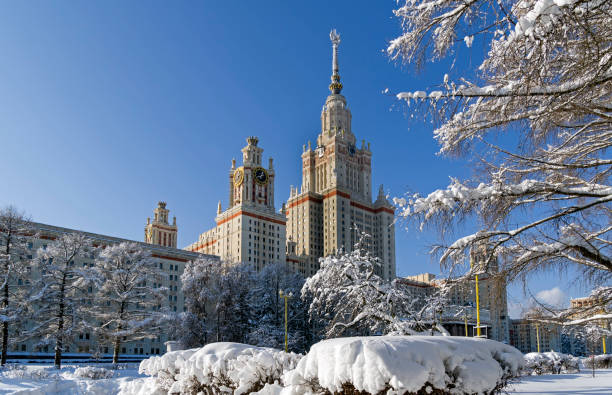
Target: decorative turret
x,y
159,231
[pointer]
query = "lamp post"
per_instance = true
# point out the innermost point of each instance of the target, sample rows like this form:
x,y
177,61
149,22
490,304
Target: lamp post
x,y
538,336
478,333
286,297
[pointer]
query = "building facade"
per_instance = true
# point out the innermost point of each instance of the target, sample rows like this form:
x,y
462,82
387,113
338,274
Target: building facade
x,y
250,230
525,335
171,260
331,208
461,309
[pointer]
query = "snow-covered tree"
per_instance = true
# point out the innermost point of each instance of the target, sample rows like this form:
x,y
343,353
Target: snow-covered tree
x,y
15,228
63,291
536,113
347,297
267,309
129,295
197,279
230,317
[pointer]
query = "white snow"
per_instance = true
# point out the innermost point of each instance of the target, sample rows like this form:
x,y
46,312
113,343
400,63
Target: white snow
x,y
572,383
42,380
404,363
240,367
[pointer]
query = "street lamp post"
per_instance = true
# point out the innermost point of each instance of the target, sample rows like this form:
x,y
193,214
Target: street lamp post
x,y
286,297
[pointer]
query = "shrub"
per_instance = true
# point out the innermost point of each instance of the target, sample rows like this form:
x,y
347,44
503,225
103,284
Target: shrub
x,y
403,365
219,368
603,361
90,372
550,363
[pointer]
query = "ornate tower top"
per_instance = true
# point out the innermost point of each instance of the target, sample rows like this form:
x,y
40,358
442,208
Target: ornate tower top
x,y
160,231
336,86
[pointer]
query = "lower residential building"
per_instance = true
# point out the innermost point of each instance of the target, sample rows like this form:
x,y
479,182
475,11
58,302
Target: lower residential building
x,y
461,309
525,334
170,259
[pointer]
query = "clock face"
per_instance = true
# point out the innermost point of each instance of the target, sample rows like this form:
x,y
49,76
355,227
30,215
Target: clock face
x,y
261,176
351,149
238,176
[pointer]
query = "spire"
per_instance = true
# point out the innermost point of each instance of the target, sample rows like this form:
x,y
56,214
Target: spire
x,y
335,87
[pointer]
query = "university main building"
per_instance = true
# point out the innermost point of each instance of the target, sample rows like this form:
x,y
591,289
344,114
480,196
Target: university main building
x,y
326,214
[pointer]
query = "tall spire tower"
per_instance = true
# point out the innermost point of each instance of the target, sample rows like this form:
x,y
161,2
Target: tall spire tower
x,y
335,198
336,86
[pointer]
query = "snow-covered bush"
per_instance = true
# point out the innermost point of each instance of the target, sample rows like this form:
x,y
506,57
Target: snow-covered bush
x,y
603,361
550,362
17,371
219,367
166,368
89,372
403,364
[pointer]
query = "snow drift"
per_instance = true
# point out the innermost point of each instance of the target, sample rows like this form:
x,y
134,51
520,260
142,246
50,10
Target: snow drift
x,y
403,364
219,367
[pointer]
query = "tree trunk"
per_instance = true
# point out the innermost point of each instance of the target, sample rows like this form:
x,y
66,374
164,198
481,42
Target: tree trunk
x,y
5,302
116,350
60,326
118,338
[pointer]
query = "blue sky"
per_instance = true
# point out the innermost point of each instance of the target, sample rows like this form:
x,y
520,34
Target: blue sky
x,y
108,107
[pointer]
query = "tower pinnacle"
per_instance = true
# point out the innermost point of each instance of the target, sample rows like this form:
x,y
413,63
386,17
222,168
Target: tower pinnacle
x,y
336,86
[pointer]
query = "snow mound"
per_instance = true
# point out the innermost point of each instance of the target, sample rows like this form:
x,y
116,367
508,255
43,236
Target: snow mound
x,y
399,364
219,367
167,367
550,362
90,372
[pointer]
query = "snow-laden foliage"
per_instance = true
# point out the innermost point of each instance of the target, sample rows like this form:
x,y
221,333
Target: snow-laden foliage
x,y
403,364
267,309
537,114
128,298
219,368
14,230
94,373
603,361
550,363
196,280
63,291
235,303
347,298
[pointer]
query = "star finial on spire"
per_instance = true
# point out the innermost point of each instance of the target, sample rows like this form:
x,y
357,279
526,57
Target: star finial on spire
x,y
335,87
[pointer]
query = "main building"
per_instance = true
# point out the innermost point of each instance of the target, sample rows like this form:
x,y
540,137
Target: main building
x,y
326,214
333,206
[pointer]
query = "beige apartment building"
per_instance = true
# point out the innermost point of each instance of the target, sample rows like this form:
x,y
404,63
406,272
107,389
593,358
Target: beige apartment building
x,y
331,208
170,259
250,230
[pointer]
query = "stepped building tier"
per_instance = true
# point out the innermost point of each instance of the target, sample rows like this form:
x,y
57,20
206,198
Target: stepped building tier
x,y
334,203
250,230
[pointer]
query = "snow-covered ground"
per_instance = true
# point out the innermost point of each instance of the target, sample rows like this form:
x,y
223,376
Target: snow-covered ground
x,y
34,382
44,379
581,383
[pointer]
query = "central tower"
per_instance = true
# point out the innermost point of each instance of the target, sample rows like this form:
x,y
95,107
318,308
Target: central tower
x,y
250,230
334,203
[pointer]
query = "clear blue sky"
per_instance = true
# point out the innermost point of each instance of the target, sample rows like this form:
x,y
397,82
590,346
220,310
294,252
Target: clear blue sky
x,y
108,107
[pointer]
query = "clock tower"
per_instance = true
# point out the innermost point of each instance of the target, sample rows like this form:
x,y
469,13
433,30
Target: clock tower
x,y
250,230
251,184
